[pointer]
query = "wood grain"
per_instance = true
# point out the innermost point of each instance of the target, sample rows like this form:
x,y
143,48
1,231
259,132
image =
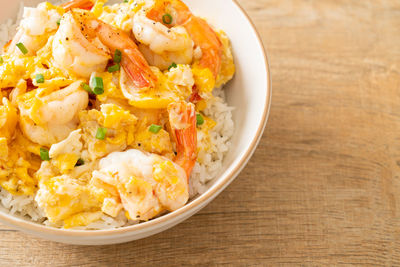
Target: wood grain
x,y
323,187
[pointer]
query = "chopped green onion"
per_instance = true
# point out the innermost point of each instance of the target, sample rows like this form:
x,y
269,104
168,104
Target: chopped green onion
x,y
167,18
80,162
44,154
97,85
87,88
39,78
117,56
101,133
126,1
155,128
1,60
22,48
114,68
173,65
59,21
199,120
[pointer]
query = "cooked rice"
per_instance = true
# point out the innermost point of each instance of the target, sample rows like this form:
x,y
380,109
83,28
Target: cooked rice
x,y
220,136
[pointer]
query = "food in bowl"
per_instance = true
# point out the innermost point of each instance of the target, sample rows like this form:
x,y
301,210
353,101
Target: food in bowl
x,y
111,115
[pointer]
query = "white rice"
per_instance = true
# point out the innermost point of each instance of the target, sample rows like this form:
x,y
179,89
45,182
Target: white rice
x,y
218,110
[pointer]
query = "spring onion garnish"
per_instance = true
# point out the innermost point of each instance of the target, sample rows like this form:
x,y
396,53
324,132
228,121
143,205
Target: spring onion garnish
x,y
173,65
80,162
167,18
59,21
126,1
44,154
155,128
101,133
199,120
22,48
1,60
39,78
114,68
97,85
117,56
87,88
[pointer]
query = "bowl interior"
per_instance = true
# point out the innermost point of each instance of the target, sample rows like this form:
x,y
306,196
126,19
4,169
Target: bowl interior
x,y
248,92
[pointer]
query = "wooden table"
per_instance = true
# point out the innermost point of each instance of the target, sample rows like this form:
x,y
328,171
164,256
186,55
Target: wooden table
x,y
323,188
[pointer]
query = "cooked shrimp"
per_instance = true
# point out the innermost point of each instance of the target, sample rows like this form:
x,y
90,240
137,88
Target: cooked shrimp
x,y
49,119
201,33
36,26
82,4
182,118
76,53
161,45
148,183
87,43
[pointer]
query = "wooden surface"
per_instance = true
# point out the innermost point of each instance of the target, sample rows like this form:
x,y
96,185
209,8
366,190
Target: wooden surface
x,y
323,188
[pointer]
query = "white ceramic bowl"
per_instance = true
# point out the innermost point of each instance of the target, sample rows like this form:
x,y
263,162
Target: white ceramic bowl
x,y
249,92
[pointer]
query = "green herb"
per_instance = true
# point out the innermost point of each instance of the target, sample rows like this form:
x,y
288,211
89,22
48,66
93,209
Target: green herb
x,y
22,48
167,18
80,162
199,120
87,88
126,1
1,60
173,65
44,154
39,78
114,68
101,133
59,21
97,85
117,56
155,128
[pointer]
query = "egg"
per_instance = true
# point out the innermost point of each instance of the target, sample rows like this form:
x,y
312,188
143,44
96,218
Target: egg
x,y
63,197
227,64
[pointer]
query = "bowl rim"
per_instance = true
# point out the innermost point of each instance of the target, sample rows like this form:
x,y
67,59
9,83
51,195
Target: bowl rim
x,y
199,202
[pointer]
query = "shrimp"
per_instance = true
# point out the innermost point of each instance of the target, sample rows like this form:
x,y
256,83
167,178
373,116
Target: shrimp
x,y
148,183
200,32
82,4
39,23
36,26
74,52
49,119
87,43
161,45
182,118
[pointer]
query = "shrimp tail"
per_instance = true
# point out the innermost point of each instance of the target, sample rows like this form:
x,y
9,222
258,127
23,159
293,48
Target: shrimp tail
x,y
133,61
82,4
182,118
199,30
203,35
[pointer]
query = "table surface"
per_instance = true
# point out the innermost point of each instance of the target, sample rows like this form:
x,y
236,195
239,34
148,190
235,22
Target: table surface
x,y
323,186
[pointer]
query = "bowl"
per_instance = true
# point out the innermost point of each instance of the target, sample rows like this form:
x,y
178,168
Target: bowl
x,y
249,92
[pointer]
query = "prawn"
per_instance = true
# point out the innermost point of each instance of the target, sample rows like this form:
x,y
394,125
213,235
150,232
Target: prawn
x,y
80,32
161,45
37,25
147,183
182,119
82,4
199,30
49,119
